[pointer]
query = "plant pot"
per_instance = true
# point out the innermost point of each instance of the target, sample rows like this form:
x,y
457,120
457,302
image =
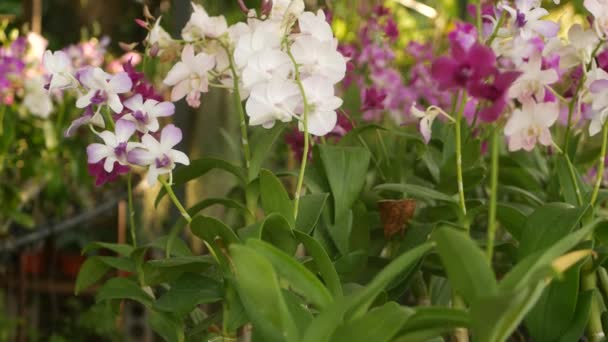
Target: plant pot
x,y
71,263
32,263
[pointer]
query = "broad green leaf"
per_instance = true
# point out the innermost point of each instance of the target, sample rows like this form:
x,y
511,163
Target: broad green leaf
x,y
123,288
209,229
263,300
465,264
378,325
537,266
340,232
405,262
434,317
118,263
546,225
568,187
90,272
417,191
169,327
187,292
276,230
512,218
198,168
299,277
495,317
121,249
299,310
311,207
551,316
200,329
576,328
323,263
274,197
261,145
167,270
353,137
513,190
345,168
324,325
178,247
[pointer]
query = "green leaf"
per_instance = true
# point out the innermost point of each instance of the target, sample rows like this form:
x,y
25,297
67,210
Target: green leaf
x,y
465,264
178,247
90,272
345,168
400,265
567,186
123,288
263,300
427,318
276,230
166,270
340,232
209,228
546,225
417,191
323,263
261,144
198,168
513,190
311,207
119,248
505,311
187,292
576,328
167,326
551,316
302,281
353,137
299,309
274,197
378,325
537,266
512,218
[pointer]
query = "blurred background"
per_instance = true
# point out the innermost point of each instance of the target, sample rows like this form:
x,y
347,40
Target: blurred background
x,y
50,207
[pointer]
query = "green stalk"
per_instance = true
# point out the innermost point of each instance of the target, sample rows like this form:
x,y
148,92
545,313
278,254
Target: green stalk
x,y
250,200
479,19
493,194
595,332
463,206
175,200
601,167
131,210
306,136
570,112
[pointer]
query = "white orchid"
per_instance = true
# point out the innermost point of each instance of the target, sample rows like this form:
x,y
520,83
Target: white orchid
x,y
145,114
533,80
322,105
531,124
427,117
37,101
286,11
599,10
266,65
159,156
274,100
59,66
319,58
316,26
579,49
115,148
190,76
103,88
158,37
201,25
266,35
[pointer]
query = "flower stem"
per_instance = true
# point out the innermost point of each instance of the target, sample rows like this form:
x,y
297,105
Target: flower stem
x,y
570,112
595,332
493,194
479,19
131,210
601,166
457,127
306,136
175,200
250,200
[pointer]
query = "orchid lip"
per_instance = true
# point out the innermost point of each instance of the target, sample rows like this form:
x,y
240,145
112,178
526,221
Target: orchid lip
x,y
121,150
163,162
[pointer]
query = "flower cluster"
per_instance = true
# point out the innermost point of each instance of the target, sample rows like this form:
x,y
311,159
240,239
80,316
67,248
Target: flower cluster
x,y
284,63
132,110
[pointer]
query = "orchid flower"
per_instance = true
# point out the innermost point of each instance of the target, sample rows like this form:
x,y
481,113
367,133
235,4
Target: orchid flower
x,y
158,38
201,25
579,49
526,19
263,36
265,66
531,124
599,10
533,80
597,84
159,156
145,114
427,118
274,100
319,58
464,66
190,76
115,148
58,64
322,105
103,88
316,26
37,101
